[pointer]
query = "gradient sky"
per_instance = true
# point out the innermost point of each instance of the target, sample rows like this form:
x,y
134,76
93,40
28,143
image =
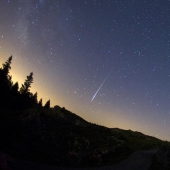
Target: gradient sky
x,y
75,47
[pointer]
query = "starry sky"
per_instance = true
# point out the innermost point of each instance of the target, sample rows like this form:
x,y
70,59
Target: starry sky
x,y
108,61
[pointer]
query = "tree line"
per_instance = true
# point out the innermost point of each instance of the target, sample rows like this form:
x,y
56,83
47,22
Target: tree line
x,y
13,97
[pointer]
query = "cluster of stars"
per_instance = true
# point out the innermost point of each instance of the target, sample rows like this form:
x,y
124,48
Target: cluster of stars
x,y
74,45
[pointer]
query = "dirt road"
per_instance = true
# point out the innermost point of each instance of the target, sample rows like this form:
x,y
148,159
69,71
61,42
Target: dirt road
x,y
139,160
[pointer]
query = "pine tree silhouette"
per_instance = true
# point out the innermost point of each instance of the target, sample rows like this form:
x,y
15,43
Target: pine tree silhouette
x,y
11,96
40,102
34,97
26,95
7,66
14,88
25,89
5,83
5,78
14,99
47,105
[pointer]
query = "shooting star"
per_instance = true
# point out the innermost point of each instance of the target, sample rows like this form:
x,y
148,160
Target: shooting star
x,y
99,88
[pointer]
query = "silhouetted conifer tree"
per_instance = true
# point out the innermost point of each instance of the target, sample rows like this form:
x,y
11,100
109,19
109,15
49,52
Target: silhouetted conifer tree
x,y
7,66
26,95
40,102
14,98
5,84
15,88
5,78
25,89
47,105
34,97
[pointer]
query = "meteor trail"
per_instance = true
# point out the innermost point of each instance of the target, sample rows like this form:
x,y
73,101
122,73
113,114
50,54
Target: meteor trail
x,y
99,88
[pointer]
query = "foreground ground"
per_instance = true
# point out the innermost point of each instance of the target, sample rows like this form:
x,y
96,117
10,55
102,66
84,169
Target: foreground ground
x,y
139,160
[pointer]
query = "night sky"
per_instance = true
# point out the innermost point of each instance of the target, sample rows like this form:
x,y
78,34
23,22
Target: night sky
x,y
108,61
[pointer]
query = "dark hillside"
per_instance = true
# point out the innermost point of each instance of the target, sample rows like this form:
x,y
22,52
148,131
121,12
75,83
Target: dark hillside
x,y
56,136
59,137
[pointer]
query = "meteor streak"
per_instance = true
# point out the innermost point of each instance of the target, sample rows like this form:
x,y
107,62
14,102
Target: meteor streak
x,y
99,88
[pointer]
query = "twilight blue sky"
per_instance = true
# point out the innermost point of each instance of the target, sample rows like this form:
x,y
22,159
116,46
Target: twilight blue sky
x,y
73,46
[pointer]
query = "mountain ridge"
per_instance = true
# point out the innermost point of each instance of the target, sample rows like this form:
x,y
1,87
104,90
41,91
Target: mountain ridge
x,y
56,136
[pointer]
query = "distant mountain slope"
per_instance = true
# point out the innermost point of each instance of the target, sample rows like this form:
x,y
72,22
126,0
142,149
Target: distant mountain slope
x,y
59,137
